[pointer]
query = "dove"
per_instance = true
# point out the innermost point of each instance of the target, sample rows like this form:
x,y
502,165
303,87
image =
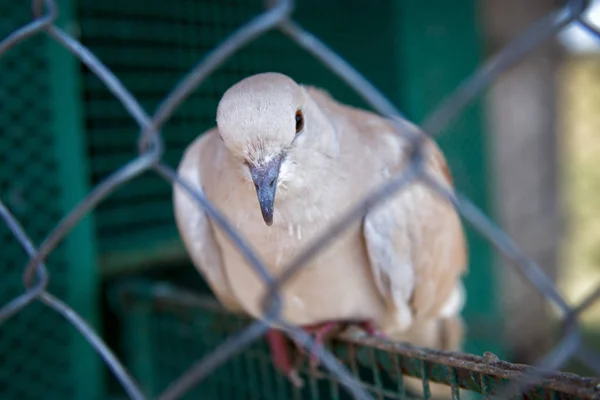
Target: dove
x,y
285,161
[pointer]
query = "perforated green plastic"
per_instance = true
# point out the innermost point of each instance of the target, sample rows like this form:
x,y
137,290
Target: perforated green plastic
x,y
42,175
167,329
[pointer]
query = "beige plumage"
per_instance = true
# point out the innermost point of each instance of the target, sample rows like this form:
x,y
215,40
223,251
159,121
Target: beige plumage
x,y
287,160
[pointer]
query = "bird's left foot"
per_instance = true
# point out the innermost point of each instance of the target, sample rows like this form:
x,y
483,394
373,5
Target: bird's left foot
x,y
368,327
281,357
320,333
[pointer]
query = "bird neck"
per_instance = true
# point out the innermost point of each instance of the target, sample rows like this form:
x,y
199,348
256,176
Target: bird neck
x,y
326,138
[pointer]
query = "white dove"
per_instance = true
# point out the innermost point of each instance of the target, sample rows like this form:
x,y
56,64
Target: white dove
x,y
284,162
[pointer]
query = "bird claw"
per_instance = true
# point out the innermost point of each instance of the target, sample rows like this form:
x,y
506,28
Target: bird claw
x,y
295,379
370,329
319,333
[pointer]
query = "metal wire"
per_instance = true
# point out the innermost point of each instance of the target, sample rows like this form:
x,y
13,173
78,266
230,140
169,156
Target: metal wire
x,y
150,145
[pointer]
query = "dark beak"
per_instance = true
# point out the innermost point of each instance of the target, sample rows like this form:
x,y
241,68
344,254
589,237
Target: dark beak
x,y
265,180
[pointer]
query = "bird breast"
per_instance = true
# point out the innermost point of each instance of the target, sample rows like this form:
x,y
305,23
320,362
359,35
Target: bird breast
x,y
334,284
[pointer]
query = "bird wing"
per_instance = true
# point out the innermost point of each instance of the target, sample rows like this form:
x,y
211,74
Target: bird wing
x,y
416,247
414,240
193,223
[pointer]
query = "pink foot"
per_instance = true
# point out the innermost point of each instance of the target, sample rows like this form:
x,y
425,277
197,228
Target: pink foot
x,y
319,333
368,327
280,352
281,356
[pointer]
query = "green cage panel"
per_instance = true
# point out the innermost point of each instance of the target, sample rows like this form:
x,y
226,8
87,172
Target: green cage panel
x,y
167,329
407,50
150,45
43,174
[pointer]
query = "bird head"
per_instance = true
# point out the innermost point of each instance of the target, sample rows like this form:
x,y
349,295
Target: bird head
x,y
266,121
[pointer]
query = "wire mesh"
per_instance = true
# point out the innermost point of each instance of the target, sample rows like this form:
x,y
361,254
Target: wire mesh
x,y
279,15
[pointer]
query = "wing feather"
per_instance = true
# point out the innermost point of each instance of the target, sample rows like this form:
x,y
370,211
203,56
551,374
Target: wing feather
x,y
194,226
417,250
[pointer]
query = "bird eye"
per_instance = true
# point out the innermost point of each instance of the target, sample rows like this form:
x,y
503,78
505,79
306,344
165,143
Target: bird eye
x,y
299,121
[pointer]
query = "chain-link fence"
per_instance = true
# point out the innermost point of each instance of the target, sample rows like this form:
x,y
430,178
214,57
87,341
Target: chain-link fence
x,y
279,15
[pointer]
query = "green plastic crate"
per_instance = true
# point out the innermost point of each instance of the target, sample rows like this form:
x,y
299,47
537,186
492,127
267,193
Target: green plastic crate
x,y
167,329
43,173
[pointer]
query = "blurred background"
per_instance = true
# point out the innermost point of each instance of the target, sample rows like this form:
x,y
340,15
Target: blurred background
x,y
527,153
